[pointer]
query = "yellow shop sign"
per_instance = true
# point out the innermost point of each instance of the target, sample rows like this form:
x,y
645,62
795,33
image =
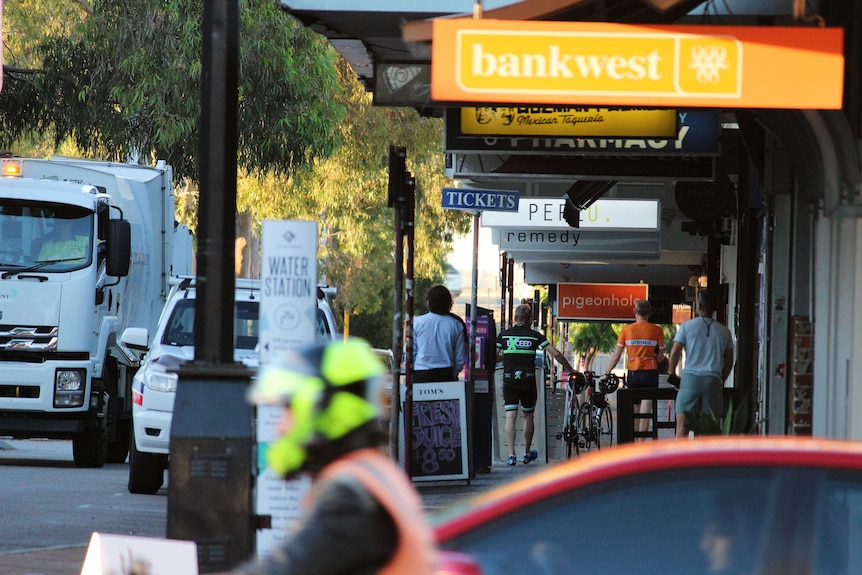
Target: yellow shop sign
x,y
569,121
499,61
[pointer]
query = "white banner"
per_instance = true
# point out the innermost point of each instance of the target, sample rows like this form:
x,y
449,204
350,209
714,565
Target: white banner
x,y
577,245
288,280
288,317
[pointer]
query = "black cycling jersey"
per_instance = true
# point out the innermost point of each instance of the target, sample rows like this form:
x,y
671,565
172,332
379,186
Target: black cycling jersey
x,y
519,345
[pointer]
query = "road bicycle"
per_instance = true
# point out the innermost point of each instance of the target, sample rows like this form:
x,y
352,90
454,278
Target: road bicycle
x,y
575,384
595,422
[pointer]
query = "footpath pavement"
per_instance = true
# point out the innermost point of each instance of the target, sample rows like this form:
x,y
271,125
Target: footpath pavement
x,y
437,495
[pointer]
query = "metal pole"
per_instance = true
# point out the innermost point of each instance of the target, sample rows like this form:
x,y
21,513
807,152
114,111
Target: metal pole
x,y
397,335
511,287
211,440
474,284
218,161
397,157
409,212
503,280
471,358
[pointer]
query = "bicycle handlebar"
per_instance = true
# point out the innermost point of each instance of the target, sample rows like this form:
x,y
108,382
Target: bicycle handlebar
x,y
606,384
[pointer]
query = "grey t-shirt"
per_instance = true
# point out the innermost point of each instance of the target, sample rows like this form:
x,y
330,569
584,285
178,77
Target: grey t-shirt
x,y
705,340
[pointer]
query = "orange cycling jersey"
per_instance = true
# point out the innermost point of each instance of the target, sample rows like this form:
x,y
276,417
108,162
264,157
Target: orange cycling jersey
x,y
640,340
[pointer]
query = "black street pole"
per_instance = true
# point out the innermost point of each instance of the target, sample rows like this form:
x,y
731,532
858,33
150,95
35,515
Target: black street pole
x,y
210,488
397,169
409,206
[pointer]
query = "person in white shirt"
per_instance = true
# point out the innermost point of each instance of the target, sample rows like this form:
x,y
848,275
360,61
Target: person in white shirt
x,y
439,340
708,347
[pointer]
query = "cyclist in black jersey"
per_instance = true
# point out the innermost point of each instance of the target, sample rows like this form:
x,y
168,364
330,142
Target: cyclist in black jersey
x,y
518,346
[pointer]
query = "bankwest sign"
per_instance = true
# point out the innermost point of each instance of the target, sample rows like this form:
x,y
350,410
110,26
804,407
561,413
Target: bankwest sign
x,y
505,61
615,302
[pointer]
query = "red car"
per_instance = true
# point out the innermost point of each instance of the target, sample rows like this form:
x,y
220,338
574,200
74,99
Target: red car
x,y
728,506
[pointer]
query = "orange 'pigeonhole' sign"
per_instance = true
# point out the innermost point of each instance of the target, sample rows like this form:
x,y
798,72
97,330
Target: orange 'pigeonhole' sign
x,y
583,301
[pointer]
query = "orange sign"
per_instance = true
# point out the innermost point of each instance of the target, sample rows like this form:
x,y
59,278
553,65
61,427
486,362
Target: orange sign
x,y
509,61
587,302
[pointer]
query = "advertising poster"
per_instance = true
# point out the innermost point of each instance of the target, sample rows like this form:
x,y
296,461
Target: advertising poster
x,y
288,309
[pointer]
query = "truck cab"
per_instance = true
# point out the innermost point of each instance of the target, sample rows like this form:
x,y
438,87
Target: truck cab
x,y
85,250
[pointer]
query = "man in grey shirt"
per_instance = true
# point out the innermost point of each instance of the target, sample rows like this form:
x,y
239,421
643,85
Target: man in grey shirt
x,y
708,362
439,340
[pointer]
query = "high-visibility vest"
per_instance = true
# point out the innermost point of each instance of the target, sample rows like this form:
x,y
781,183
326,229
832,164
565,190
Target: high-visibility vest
x,y
73,248
415,554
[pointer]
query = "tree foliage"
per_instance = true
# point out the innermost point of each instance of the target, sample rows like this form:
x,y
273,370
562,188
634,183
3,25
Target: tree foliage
x,y
118,79
347,194
592,338
126,81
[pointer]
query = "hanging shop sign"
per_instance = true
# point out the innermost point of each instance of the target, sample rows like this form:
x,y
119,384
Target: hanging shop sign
x,y
402,84
570,63
697,133
567,121
585,301
620,168
604,214
575,245
480,200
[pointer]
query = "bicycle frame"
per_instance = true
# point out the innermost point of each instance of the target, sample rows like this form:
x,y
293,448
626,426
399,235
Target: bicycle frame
x,y
595,420
569,434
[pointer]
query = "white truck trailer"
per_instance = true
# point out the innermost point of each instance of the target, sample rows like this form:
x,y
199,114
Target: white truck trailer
x,y
65,301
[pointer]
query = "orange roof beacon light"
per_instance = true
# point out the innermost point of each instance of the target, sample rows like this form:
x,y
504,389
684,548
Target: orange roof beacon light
x,y
11,168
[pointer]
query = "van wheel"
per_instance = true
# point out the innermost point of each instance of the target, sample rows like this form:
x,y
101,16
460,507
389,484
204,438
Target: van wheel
x,y
90,449
146,470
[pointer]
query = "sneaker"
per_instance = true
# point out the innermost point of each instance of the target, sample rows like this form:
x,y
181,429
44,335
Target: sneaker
x,y
512,460
532,456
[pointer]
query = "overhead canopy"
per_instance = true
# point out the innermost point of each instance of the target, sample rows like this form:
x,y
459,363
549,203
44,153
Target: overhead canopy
x,y
387,40
372,32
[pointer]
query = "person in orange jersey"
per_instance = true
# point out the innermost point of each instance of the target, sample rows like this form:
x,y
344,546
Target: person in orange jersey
x,y
643,343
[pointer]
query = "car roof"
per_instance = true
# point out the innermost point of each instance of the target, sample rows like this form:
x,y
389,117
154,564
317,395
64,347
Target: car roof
x,y
632,459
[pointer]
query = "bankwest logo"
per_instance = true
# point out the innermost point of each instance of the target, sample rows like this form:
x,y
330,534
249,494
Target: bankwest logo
x,y
598,64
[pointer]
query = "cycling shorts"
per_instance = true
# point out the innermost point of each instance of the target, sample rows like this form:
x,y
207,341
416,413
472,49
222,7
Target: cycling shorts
x,y
520,391
642,379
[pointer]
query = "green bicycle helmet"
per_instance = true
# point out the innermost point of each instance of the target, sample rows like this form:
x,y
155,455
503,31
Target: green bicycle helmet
x,y
331,388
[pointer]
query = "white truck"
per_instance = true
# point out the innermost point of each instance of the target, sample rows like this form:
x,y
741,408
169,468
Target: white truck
x,y
65,300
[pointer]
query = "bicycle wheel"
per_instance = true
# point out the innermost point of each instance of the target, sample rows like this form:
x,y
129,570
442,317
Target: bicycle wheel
x,y
586,435
570,429
605,427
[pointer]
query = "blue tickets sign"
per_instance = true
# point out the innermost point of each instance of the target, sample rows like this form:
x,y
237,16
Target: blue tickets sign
x,y
480,200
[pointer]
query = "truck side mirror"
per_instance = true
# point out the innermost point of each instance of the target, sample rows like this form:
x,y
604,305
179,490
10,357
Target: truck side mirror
x,y
118,248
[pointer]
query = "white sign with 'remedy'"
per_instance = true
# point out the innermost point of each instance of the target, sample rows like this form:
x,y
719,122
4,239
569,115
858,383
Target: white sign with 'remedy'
x,y
602,215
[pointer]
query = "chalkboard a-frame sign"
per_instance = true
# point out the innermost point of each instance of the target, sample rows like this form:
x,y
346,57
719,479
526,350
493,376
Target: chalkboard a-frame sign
x,y
439,439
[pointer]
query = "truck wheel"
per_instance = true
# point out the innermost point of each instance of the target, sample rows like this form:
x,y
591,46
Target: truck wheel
x,y
90,449
118,422
146,471
118,450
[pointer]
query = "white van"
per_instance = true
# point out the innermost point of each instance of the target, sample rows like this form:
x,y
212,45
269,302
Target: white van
x,y
154,386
